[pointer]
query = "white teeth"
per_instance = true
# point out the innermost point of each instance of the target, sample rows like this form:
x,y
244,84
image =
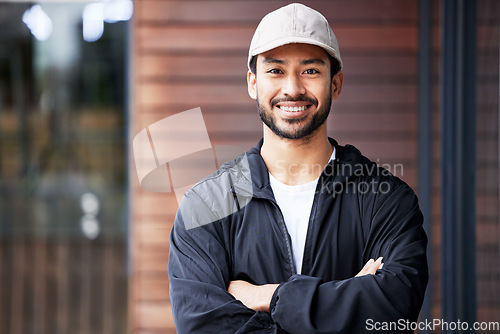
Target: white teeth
x,y
293,108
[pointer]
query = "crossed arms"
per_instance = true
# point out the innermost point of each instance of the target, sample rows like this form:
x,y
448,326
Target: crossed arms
x,y
206,298
258,297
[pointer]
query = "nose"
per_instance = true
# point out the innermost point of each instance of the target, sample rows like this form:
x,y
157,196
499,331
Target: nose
x,y
293,86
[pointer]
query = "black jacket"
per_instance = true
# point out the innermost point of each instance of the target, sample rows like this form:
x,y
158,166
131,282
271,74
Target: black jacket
x,y
229,227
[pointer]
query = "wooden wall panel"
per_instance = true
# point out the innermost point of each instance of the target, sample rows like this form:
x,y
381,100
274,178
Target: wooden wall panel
x,y
220,39
191,54
164,67
242,11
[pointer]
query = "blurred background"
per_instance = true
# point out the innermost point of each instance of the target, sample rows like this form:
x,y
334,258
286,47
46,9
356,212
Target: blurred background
x,y
83,249
63,170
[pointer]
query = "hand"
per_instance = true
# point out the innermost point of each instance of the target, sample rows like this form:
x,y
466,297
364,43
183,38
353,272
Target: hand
x,y
255,297
371,267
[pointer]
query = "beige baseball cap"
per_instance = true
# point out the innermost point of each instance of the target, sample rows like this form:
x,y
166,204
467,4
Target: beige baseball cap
x,y
294,23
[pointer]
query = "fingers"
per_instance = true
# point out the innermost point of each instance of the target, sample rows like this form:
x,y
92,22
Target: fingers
x,y
366,268
371,267
378,264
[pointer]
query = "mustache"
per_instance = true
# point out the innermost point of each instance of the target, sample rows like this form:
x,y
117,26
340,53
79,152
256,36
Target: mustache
x,y
300,98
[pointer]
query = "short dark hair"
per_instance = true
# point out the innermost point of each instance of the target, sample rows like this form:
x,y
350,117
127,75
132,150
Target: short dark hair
x,y
334,65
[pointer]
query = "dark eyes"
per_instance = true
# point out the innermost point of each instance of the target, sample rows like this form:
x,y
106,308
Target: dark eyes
x,y
311,71
274,71
278,71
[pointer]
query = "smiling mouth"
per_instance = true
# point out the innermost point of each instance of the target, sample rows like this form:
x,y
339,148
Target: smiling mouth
x,y
293,109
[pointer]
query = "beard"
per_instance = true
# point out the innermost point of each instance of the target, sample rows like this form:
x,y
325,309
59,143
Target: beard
x,y
294,129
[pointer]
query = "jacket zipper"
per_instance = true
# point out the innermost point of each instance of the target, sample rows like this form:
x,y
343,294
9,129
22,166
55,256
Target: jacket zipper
x,y
310,223
286,237
319,188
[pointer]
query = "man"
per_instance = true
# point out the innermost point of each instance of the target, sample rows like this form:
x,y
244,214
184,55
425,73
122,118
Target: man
x,y
284,238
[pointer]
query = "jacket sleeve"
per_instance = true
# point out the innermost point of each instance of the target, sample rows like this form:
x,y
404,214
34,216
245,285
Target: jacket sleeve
x,y
198,271
306,304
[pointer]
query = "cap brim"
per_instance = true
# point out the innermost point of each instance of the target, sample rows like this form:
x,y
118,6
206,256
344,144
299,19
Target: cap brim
x,y
290,40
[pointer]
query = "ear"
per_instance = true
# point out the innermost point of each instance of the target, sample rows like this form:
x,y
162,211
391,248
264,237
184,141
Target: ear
x,y
337,81
251,82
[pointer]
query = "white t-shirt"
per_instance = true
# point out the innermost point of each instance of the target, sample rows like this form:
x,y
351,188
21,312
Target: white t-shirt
x,y
295,203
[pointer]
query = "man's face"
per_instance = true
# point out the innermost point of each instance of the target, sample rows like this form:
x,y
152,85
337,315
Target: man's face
x,y
293,89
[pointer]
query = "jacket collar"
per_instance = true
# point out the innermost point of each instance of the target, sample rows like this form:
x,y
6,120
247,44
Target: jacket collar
x,y
349,162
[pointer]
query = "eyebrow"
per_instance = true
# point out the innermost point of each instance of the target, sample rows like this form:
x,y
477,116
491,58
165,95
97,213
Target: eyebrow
x,y
303,62
273,61
313,61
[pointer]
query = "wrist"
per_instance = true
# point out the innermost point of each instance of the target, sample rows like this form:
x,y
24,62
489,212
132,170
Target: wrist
x,y
267,293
